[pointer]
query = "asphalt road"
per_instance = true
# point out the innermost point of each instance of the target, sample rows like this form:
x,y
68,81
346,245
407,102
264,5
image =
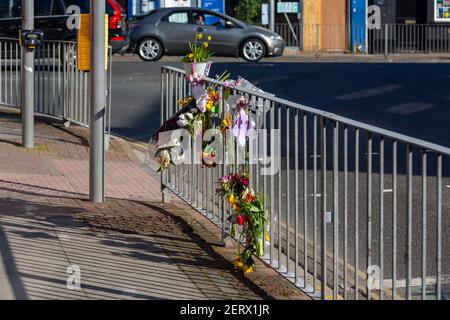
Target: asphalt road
x,y
409,98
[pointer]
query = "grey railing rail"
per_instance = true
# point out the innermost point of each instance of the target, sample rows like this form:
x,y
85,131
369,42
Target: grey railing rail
x,y
386,40
61,90
355,211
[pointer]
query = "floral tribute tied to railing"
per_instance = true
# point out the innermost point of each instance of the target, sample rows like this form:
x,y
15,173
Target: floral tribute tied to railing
x,y
200,112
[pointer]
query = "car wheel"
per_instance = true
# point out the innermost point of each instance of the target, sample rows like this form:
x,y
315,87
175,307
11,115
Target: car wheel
x,y
253,50
150,49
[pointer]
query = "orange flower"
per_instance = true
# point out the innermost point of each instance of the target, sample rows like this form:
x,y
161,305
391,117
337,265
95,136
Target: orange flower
x,y
250,197
213,96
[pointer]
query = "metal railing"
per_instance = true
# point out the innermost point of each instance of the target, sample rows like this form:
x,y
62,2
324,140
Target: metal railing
x,y
419,38
61,90
355,211
388,39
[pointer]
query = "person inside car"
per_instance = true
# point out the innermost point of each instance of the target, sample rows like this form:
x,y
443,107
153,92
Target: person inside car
x,y
199,19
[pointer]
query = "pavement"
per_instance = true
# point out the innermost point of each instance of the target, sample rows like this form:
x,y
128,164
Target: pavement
x,y
293,55
55,244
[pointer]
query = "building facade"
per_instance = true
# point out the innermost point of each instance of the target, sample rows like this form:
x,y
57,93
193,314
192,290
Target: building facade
x,y
341,25
139,7
324,25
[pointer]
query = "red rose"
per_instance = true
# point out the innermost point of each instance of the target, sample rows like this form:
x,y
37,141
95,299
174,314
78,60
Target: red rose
x,y
240,220
245,182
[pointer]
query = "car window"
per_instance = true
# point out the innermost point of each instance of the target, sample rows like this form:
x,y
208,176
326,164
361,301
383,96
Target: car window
x,y
207,19
10,9
43,8
178,17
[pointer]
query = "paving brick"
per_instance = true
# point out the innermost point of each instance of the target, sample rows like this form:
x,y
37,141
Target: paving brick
x,y
131,247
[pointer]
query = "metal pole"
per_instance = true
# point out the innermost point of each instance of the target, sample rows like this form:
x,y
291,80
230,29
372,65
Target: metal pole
x,y
300,24
272,16
27,69
98,103
386,40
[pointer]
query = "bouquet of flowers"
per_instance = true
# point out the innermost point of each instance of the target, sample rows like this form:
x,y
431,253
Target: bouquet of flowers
x,y
198,51
248,209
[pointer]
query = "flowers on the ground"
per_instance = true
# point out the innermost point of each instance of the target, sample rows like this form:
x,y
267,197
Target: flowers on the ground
x,y
245,266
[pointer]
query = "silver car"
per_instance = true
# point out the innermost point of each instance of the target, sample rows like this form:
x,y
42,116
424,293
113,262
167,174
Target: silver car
x,y
167,31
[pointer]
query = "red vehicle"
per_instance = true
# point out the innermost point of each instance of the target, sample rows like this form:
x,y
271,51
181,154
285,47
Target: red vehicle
x,y
117,25
51,17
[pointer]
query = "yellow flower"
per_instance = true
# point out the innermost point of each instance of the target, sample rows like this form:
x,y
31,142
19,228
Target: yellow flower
x,y
247,269
231,198
227,121
205,44
209,105
267,236
191,56
199,36
238,262
209,38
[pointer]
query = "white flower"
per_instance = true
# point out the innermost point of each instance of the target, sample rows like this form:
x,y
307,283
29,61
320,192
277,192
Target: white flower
x,y
182,123
182,117
194,110
189,115
163,157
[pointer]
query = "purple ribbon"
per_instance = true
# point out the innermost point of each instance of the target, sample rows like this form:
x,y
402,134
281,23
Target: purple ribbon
x,y
240,128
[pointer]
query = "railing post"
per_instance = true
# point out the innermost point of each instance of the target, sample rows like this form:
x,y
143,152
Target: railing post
x,y
164,190
386,41
317,40
323,245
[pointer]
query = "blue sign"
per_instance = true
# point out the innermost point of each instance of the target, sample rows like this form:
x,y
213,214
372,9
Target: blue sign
x,y
358,25
215,5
